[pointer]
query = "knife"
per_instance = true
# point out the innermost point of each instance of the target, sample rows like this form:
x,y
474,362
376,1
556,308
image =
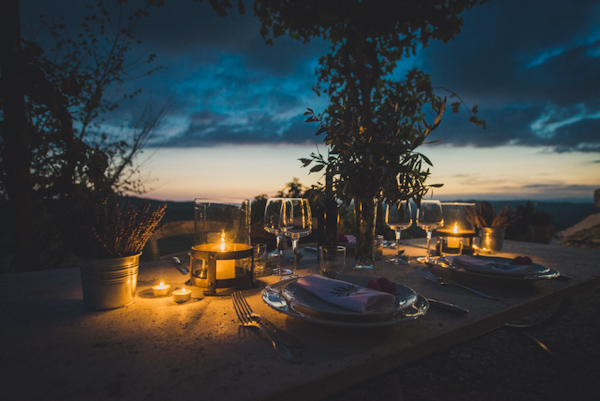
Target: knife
x,y
448,307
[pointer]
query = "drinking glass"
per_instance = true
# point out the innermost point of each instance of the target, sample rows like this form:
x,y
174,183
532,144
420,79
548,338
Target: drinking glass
x,y
272,225
429,217
332,259
398,217
260,259
296,222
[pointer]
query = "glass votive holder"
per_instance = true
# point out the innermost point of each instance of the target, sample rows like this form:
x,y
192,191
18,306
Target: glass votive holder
x,y
378,247
332,258
260,259
450,246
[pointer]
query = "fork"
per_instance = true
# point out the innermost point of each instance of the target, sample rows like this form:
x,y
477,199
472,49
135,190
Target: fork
x,y
286,352
284,336
427,275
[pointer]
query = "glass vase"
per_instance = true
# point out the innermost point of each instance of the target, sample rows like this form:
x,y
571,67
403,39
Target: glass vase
x,y
365,214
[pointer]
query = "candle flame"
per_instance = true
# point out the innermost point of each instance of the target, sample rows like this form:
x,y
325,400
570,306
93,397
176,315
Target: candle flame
x,y
223,241
455,230
162,284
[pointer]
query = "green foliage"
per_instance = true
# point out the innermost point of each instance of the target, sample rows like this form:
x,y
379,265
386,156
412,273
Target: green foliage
x,y
75,158
374,122
367,38
380,162
257,210
293,189
89,70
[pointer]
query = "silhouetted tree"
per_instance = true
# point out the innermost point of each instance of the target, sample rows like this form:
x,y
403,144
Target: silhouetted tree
x,y
15,148
375,119
56,150
293,189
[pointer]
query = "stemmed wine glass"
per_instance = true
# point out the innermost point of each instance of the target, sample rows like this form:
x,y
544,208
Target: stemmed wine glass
x,y
272,224
429,217
296,222
398,217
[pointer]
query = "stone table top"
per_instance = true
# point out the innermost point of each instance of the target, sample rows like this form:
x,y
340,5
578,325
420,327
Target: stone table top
x,y
54,349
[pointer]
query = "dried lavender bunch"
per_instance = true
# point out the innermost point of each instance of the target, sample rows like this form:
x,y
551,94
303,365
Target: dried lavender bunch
x,y
484,215
116,231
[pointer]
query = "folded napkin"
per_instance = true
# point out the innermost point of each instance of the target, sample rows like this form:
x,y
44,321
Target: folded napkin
x,y
488,266
347,295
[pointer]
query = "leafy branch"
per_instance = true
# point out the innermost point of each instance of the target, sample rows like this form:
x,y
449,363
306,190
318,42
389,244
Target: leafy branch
x,y
455,106
381,162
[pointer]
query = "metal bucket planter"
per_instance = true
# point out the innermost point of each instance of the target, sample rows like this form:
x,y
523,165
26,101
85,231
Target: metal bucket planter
x,y
492,239
108,283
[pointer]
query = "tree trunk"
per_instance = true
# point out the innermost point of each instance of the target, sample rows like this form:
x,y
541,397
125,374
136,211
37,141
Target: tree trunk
x,y
16,149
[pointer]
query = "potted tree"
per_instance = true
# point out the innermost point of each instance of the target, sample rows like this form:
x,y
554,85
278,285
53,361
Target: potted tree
x,y
109,245
370,164
376,117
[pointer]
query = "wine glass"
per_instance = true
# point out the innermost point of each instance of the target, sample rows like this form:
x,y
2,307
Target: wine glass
x,y
296,222
272,225
398,217
429,217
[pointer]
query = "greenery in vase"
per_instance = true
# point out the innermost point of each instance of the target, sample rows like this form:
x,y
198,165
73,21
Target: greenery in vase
x,y
113,231
380,162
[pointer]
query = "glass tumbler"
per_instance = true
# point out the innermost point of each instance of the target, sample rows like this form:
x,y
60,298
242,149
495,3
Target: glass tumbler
x,y
332,259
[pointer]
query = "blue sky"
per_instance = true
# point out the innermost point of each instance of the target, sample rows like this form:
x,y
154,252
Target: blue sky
x,y
235,126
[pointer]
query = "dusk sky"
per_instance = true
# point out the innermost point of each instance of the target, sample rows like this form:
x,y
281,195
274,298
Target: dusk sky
x,y
235,126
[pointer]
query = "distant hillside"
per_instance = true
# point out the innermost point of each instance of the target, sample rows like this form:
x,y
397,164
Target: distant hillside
x,y
565,214
176,211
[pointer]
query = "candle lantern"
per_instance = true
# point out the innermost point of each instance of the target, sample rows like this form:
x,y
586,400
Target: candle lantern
x,y
222,258
458,233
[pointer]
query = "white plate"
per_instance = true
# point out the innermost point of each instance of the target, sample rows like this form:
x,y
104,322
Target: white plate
x,y
288,298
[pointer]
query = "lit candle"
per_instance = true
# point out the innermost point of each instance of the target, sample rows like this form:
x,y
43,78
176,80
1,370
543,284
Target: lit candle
x,y
225,268
161,290
454,242
182,295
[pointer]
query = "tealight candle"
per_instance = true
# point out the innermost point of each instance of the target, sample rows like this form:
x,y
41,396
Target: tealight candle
x,y
182,295
225,268
161,290
454,242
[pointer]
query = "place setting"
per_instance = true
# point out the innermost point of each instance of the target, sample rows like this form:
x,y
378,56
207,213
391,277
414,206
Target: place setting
x,y
467,255
336,297
349,301
332,298
518,269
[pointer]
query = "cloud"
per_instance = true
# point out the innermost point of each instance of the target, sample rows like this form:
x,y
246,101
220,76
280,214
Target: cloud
x,y
532,70
208,129
193,32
